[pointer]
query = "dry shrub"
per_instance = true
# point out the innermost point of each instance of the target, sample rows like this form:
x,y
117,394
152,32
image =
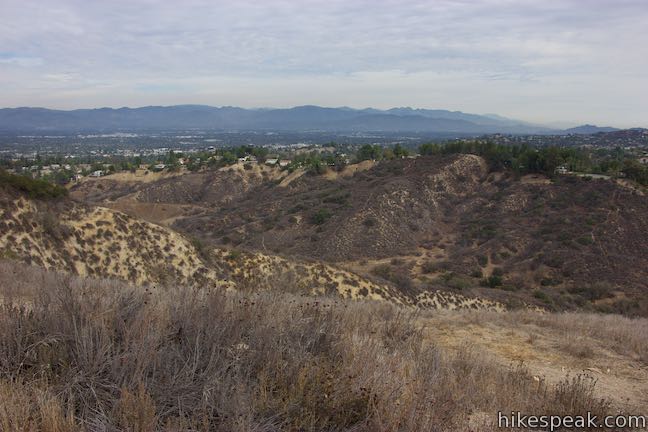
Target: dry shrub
x,y
577,347
135,411
101,355
27,407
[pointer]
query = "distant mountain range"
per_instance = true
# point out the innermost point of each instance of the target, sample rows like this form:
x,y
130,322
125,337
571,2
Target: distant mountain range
x,y
302,118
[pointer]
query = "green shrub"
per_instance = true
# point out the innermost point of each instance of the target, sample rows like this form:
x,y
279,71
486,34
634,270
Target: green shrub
x,y
585,241
541,295
321,216
595,291
33,188
492,281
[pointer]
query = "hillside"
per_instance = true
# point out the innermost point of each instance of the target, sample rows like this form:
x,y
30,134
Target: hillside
x,y
440,231
97,241
428,224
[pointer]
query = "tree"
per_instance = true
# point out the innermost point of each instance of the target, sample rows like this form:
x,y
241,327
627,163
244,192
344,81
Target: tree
x,y
400,151
228,158
636,171
369,152
428,149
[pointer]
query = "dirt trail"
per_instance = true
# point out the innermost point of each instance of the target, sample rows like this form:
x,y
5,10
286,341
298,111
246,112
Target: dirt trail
x,y
620,379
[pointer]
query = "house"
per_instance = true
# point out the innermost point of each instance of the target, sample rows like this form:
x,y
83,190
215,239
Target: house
x,y
562,169
284,163
97,173
55,167
159,167
643,160
272,162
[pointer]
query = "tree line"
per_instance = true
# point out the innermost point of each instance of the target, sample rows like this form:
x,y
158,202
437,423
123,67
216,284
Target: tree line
x,y
525,159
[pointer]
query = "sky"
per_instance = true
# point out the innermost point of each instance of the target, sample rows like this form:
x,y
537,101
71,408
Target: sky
x,y
559,62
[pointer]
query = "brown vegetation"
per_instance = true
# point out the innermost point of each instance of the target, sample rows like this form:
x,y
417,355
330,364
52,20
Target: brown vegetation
x,y
80,354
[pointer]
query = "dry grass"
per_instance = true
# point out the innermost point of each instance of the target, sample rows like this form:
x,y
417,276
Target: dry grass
x,y
623,335
101,355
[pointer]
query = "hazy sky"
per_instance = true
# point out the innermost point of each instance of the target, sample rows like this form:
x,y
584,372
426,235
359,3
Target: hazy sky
x,y
540,60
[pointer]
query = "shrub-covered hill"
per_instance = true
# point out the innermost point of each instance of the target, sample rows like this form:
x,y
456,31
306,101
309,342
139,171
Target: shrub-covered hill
x,y
450,222
62,234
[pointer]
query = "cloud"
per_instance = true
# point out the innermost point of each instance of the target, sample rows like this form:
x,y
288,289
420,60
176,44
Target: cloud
x,y
382,52
19,60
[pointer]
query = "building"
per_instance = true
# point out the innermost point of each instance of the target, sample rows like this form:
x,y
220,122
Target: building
x,y
562,169
272,162
97,173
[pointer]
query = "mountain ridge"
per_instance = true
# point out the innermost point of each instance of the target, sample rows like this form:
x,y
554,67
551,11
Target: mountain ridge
x,y
305,117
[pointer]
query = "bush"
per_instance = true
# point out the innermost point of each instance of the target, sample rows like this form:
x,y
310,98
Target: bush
x,y
585,241
541,295
497,271
595,291
492,281
321,216
456,281
98,355
476,273
202,248
52,226
399,277
369,222
33,188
